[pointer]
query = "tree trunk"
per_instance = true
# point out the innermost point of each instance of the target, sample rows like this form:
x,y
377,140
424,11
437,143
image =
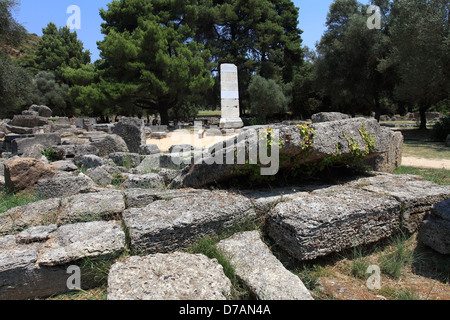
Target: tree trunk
x,y
423,118
377,108
164,113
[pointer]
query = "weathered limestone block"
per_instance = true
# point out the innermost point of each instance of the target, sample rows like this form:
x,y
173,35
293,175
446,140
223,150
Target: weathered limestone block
x,y
132,131
84,240
34,264
145,181
33,214
28,121
435,229
149,149
43,111
104,205
415,195
19,130
93,206
47,140
126,159
90,161
140,198
24,173
265,200
65,165
171,225
332,219
148,164
100,176
260,270
392,158
175,276
329,116
109,144
64,184
336,139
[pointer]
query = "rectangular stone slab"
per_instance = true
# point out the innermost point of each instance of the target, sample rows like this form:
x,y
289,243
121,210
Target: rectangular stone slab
x,y
268,279
170,225
332,219
34,263
416,195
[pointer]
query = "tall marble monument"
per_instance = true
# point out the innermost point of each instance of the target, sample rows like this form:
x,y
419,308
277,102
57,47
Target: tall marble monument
x,y
230,97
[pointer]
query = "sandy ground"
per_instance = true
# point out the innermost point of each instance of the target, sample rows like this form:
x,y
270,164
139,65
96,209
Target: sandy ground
x,y
183,137
426,163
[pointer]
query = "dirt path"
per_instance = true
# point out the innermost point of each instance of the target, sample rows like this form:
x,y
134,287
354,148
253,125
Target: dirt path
x,y
426,163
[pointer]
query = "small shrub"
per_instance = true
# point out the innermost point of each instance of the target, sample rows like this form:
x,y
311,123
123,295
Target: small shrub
x,y
51,154
118,179
441,129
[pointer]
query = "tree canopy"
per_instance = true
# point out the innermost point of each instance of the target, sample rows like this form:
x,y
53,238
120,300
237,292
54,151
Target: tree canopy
x,y
11,32
163,56
419,38
60,48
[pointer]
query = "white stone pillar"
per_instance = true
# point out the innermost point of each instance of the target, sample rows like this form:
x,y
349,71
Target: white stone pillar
x,y
230,97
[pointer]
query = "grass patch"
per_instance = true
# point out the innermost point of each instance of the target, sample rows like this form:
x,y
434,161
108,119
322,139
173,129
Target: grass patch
x,y
359,263
426,149
96,294
12,200
394,260
438,176
405,294
210,113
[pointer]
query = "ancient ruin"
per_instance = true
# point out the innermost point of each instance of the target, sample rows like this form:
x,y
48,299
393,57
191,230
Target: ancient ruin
x,y
101,189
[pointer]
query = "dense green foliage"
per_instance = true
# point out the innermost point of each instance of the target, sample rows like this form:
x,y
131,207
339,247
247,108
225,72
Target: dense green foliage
x,y
60,48
267,97
441,129
420,52
48,92
163,56
15,87
11,32
398,68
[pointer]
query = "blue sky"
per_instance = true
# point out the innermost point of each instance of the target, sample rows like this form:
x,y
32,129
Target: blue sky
x,y
36,14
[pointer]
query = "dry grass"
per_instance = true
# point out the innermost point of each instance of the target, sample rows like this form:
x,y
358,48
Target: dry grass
x,y
417,273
